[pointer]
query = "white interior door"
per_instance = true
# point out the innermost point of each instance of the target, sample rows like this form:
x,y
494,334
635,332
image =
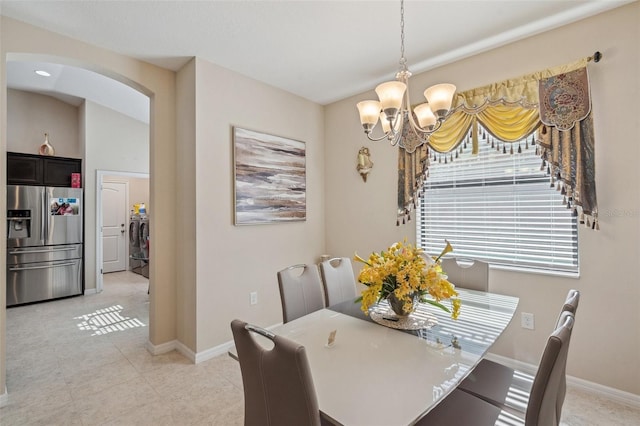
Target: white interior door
x,y
114,226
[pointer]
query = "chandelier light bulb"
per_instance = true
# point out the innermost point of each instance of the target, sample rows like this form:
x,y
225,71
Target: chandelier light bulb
x,y
440,98
369,111
426,118
391,95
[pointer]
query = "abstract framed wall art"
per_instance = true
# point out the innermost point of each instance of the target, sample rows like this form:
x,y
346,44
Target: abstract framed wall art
x,y
269,177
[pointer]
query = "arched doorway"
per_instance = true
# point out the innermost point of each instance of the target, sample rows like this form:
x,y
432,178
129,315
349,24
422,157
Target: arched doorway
x,y
160,86
109,116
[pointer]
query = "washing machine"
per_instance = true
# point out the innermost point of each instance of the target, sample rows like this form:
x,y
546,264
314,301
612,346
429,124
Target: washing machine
x,y
135,264
144,244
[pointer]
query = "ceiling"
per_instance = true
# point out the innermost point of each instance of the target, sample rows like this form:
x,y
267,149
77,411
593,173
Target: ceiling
x,y
323,51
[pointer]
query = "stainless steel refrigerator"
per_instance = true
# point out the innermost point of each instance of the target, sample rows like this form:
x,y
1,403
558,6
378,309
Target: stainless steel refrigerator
x,y
44,243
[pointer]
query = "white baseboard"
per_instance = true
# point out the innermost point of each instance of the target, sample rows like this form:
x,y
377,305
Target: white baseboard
x,y
184,350
512,363
622,397
194,357
88,291
221,349
4,398
162,348
626,398
213,352
188,353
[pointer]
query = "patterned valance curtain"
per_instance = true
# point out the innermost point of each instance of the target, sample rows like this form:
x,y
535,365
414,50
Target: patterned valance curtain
x,y
510,111
567,141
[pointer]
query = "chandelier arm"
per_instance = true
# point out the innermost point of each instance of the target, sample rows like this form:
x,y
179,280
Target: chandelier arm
x,y
412,124
427,132
394,135
395,129
404,77
385,136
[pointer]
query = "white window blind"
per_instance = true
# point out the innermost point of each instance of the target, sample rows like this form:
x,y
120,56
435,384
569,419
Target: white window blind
x,y
498,208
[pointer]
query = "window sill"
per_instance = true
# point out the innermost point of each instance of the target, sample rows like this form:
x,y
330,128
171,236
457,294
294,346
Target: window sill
x,y
511,268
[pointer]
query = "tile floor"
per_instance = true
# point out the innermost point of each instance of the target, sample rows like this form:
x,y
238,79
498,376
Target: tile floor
x,y
82,361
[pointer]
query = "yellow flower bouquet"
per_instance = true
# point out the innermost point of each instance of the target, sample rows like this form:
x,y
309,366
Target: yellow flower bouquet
x,y
404,274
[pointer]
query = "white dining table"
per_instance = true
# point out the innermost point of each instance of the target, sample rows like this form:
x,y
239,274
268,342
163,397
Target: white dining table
x,y
376,375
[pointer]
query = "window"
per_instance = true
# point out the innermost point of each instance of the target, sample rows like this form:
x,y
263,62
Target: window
x,y
498,208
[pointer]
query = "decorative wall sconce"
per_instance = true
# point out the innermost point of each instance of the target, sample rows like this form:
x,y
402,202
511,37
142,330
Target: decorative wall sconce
x,y
364,163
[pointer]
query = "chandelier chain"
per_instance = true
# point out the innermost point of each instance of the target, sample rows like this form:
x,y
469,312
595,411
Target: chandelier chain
x,y
403,60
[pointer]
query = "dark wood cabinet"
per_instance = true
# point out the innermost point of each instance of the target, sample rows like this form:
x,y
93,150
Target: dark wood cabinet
x,y
57,171
30,169
24,169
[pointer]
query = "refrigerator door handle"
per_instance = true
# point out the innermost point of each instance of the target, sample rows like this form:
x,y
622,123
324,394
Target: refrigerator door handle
x,y
50,250
45,215
28,268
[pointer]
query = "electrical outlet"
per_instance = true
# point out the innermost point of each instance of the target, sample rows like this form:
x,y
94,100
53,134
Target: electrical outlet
x,y
254,297
528,321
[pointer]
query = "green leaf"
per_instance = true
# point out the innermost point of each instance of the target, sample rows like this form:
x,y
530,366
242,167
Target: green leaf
x,y
434,303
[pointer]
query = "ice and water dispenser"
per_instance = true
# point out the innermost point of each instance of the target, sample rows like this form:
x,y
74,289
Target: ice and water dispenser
x,y
18,224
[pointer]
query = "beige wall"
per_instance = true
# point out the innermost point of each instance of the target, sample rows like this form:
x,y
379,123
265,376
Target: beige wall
x,y
24,41
232,261
31,115
138,192
186,195
605,348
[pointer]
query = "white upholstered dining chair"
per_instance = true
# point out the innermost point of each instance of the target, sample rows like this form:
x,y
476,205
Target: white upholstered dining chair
x,y
474,276
338,280
300,291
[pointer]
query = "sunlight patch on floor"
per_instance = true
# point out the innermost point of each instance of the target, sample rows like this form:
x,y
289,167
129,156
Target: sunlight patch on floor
x,y
107,320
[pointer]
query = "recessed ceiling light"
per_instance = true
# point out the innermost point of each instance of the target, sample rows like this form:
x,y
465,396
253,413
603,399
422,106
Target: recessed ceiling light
x,y
43,73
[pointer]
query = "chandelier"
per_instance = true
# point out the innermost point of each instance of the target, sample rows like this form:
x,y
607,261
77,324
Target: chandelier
x,y
393,108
